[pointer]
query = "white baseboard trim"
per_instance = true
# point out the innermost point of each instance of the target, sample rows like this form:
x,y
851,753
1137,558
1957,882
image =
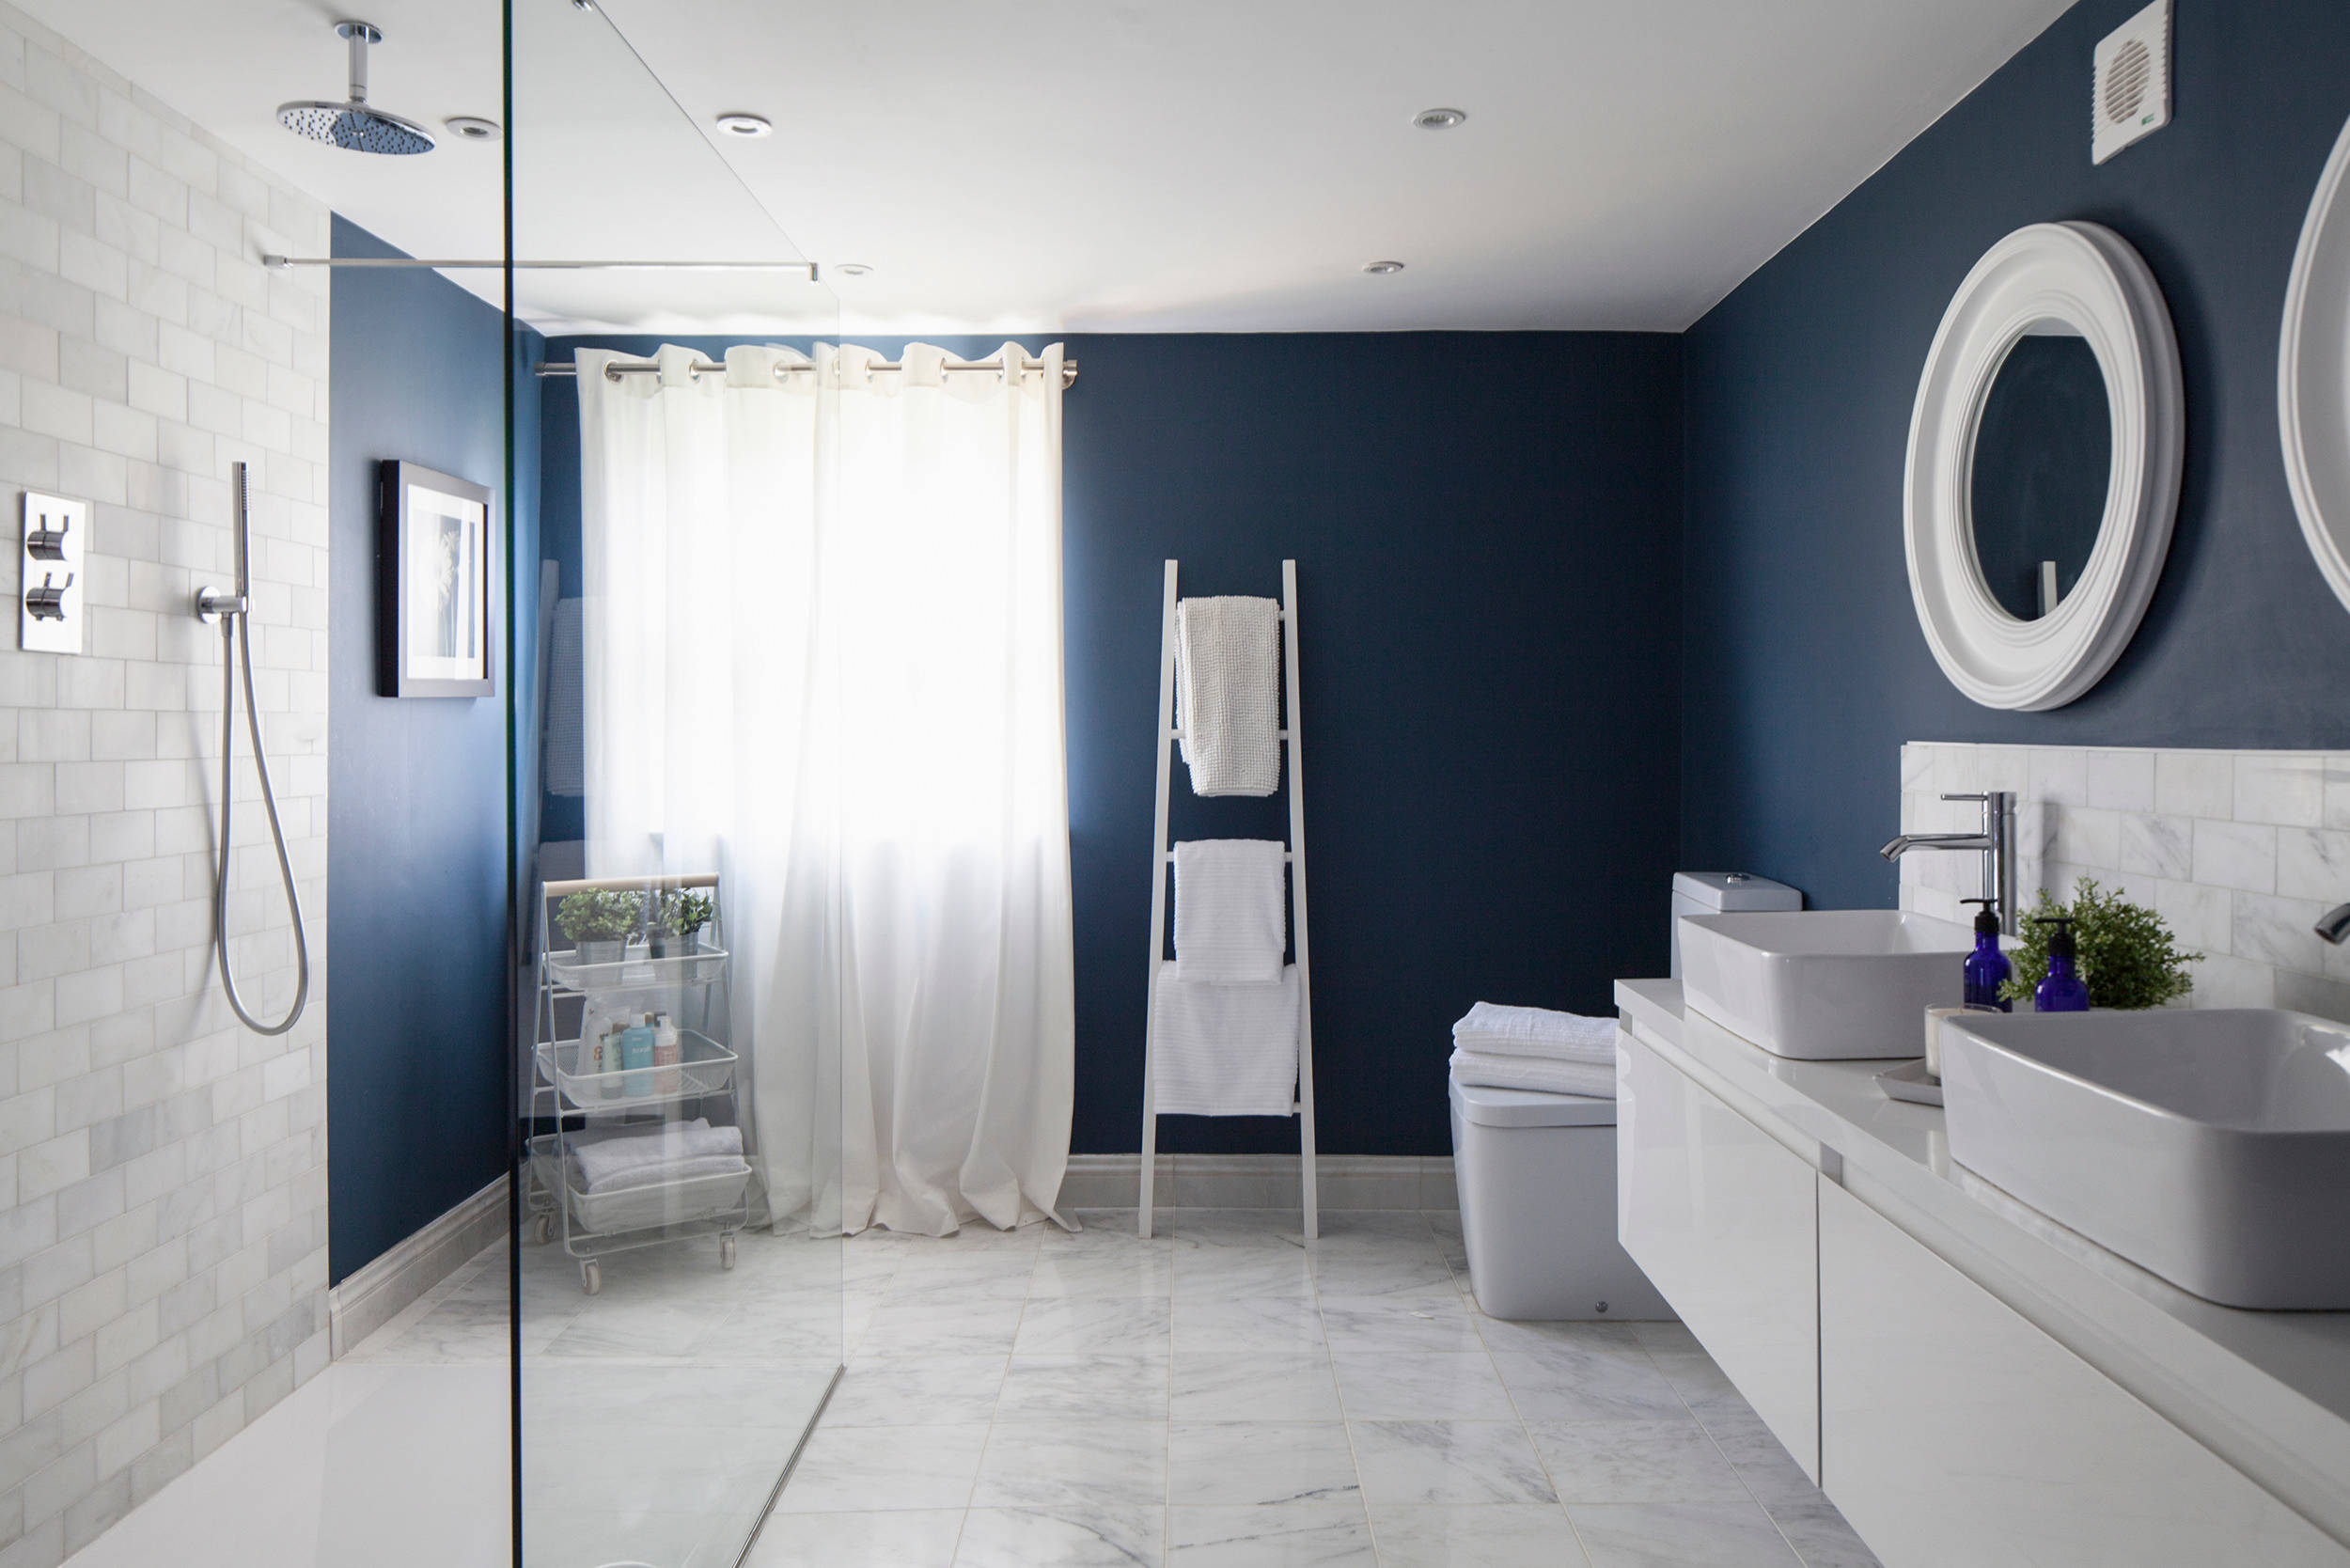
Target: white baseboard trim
x,y
1261,1182
374,1296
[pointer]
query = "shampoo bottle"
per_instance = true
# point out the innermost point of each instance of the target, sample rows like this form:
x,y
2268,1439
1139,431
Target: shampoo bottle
x,y
665,1053
1987,967
636,1058
2064,991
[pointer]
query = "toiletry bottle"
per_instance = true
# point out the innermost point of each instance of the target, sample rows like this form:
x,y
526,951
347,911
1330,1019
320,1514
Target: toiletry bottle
x,y
607,1062
1987,968
666,1052
636,1060
2064,991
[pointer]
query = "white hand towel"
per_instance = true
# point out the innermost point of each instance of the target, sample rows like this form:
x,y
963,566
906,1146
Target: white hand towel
x,y
689,1170
1534,1031
1229,918
1228,678
1225,1050
622,1159
1535,1073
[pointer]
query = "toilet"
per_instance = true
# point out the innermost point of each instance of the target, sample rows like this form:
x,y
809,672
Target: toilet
x,y
1536,1172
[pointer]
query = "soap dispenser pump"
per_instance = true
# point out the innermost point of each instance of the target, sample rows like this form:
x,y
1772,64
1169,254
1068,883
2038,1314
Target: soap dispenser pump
x,y
1987,967
2064,991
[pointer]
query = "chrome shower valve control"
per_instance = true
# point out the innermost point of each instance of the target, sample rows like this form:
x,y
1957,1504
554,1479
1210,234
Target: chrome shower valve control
x,y
47,602
49,614
211,603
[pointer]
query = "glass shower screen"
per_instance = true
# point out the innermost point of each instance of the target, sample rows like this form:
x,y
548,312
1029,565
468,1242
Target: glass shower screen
x,y
677,1266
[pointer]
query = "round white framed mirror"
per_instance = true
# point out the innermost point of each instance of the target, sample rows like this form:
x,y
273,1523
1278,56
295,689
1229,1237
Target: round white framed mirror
x,y
2044,464
2312,360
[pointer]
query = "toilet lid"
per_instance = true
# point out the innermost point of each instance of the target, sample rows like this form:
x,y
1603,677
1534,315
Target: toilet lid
x,y
1525,1107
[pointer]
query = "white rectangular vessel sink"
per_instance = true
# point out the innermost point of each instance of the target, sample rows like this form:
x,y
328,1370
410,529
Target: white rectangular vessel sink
x,y
2212,1148
1824,985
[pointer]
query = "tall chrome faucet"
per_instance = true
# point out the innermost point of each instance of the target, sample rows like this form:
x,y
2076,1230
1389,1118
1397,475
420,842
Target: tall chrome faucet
x,y
2334,925
1997,842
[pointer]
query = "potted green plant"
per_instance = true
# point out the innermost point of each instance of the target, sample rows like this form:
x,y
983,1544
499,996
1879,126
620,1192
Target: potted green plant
x,y
678,919
2127,954
599,924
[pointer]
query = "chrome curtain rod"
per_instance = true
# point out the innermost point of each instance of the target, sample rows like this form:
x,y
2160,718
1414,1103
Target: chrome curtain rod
x,y
282,263
617,368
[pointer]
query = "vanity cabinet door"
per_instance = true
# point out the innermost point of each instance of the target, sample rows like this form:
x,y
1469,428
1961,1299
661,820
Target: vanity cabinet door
x,y
1724,1221
1954,1432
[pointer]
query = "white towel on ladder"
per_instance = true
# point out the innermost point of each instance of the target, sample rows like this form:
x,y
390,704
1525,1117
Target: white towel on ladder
x,y
1230,925
1228,679
1225,1050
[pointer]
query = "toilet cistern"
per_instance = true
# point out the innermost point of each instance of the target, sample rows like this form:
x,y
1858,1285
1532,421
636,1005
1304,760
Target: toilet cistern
x,y
1996,842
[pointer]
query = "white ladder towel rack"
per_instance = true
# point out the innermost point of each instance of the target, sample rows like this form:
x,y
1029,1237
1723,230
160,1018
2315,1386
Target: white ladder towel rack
x,y
1165,854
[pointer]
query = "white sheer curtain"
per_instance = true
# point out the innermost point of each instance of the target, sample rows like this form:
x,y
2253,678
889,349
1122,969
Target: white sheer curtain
x,y
822,640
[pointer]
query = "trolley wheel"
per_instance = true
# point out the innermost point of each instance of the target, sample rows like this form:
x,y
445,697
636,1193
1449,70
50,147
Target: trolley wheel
x,y
591,1276
726,1251
542,1230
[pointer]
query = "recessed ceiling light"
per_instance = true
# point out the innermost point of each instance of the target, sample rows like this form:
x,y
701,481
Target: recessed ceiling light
x,y
1381,269
1439,119
744,125
853,269
472,128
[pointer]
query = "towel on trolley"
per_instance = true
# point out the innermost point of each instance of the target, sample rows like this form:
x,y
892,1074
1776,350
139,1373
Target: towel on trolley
x,y
676,1152
1228,678
1224,1050
1229,921
1536,1031
1544,1075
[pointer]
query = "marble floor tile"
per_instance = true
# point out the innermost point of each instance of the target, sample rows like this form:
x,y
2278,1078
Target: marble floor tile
x,y
1629,1461
1247,1324
1099,1325
1219,1270
1762,1461
1561,1385
1448,1462
1276,1386
666,1328
1067,1536
866,1469
1499,1535
1298,1536
1702,1386
922,1328
1820,1535
1126,1271
1057,1464
1667,1339
1084,1388
1571,1338
1259,1463
1681,1535
1422,1388
991,1275
921,1391
1420,1321
1376,1275
921,1538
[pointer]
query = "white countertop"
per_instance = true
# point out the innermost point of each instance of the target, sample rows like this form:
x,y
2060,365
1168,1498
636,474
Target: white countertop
x,y
2268,1391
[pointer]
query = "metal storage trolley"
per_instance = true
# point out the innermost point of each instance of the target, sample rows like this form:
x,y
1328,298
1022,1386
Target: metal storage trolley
x,y
574,1105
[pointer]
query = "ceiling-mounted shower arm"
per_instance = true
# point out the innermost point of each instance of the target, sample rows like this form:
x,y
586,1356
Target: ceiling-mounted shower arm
x,y
359,34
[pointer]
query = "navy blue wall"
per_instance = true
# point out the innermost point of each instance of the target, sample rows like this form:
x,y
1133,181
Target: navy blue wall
x,y
416,790
1485,526
1804,667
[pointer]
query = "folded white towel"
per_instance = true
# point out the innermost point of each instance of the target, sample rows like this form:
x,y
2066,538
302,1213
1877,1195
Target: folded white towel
x,y
1230,925
1535,1031
1548,1077
688,1170
626,1159
1228,679
1225,1050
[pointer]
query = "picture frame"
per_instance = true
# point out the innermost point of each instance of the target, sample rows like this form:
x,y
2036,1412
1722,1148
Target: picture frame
x,y
436,585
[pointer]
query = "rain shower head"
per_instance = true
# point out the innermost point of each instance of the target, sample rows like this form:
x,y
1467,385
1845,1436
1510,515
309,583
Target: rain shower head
x,y
353,124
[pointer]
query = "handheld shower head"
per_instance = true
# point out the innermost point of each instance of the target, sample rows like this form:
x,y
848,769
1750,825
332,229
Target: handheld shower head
x,y
353,124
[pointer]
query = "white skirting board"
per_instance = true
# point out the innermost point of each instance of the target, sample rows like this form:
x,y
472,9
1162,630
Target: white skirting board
x,y
375,1294
1261,1182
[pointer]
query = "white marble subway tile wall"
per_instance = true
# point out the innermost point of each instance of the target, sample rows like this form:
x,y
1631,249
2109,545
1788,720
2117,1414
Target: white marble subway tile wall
x,y
162,1177
2239,851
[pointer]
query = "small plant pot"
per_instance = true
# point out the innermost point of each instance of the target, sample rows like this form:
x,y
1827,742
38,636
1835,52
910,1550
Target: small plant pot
x,y
670,946
607,951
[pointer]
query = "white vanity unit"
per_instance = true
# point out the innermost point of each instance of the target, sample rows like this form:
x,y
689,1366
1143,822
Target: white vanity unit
x,y
1969,1382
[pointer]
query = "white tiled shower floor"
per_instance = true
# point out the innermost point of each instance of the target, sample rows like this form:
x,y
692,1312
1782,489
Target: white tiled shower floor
x,y
1220,1396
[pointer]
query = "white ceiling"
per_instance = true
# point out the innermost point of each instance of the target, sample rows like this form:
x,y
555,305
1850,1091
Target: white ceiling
x,y
1102,165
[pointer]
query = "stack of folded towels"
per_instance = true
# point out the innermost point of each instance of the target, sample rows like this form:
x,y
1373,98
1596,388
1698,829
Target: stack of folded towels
x,y
681,1151
1532,1047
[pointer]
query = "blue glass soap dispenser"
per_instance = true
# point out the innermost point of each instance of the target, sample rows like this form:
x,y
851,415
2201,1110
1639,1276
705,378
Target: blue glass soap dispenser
x,y
1987,967
2064,991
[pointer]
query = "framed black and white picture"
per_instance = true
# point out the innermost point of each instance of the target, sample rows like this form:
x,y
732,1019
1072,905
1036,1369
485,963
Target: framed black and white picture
x,y
435,589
